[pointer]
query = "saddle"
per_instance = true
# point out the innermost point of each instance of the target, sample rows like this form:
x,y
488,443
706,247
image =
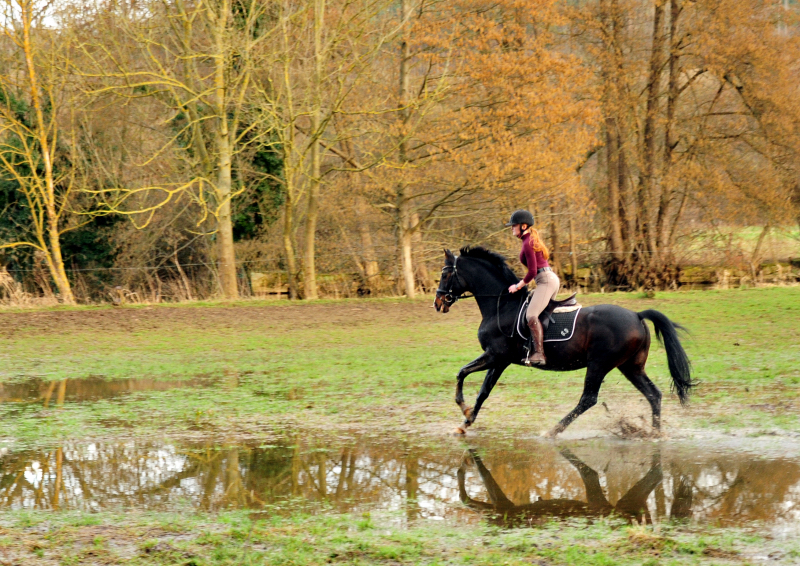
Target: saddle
x,y
545,318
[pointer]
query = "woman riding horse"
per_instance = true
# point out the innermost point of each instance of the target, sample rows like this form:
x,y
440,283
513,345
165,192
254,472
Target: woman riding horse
x,y
604,337
534,256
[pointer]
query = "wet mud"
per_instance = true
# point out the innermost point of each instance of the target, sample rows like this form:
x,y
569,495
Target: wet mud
x,y
525,483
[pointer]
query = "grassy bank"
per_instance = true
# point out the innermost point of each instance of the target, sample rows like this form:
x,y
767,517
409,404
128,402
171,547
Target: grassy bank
x,y
384,365
247,539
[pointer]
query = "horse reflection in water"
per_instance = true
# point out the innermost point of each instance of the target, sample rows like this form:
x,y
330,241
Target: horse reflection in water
x,y
632,506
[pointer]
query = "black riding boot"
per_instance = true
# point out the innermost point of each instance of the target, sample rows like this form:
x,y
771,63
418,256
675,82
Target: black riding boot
x,y
537,335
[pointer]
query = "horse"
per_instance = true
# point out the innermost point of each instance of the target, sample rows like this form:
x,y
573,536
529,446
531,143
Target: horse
x,y
605,337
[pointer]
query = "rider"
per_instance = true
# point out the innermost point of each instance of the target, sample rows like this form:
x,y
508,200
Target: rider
x,y
534,256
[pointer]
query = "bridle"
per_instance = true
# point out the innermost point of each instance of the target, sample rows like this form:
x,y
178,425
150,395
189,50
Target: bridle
x,y
448,297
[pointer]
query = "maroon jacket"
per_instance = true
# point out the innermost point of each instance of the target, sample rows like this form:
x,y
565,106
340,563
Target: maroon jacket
x,y
531,259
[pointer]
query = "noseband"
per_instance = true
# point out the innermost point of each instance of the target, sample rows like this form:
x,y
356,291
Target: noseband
x,y
448,297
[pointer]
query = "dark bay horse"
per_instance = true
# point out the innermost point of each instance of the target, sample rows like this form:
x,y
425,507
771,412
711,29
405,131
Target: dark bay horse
x,y
605,337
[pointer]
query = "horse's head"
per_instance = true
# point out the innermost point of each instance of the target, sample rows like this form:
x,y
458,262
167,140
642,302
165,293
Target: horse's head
x,y
451,286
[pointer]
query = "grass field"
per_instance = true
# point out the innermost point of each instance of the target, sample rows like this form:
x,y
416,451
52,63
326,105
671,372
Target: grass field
x,y
384,365
383,368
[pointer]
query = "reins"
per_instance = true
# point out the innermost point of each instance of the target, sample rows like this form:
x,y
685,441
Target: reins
x,y
524,297
451,299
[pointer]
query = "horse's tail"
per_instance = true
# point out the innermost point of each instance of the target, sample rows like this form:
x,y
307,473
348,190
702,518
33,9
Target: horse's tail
x,y
677,360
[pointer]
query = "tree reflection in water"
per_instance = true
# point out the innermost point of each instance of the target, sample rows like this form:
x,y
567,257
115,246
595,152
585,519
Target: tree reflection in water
x,y
48,393
530,479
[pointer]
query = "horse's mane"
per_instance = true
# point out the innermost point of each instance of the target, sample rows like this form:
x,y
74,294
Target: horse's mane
x,y
494,258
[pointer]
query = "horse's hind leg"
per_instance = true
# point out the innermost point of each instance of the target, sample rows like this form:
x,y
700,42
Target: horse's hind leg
x,y
633,369
591,387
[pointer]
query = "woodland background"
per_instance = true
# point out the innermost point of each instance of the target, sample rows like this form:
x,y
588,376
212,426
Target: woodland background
x,y
162,150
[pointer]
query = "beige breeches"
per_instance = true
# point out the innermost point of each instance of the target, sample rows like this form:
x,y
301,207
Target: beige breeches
x,y
547,285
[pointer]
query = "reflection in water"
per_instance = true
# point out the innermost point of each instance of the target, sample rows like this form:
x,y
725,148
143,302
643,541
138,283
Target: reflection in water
x,y
525,482
632,505
37,390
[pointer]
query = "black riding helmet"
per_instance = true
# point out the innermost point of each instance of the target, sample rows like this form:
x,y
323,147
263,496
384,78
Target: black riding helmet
x,y
521,217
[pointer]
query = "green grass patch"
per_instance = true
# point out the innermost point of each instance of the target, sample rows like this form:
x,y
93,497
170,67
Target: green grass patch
x,y
234,538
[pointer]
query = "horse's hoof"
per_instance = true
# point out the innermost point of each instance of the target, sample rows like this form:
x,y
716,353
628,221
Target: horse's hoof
x,y
461,431
551,433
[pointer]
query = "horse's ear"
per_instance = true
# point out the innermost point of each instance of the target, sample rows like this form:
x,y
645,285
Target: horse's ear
x,y
448,256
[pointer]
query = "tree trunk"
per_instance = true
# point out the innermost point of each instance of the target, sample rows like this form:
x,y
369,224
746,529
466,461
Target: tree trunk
x,y
573,252
312,213
368,255
227,255
403,205
662,222
421,269
184,279
54,257
755,259
289,166
647,179
628,210
796,201
55,261
405,236
555,254
614,203
673,231
620,209
288,244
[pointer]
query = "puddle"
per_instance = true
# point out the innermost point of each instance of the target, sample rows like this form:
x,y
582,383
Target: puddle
x,y
55,393
527,484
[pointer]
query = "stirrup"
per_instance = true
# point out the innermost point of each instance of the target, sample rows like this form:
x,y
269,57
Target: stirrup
x,y
527,361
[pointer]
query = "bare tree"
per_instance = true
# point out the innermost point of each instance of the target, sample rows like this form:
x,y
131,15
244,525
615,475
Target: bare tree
x,y
34,104
196,59
318,60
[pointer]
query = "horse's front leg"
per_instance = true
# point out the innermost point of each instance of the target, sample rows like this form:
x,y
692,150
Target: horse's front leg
x,y
484,361
492,376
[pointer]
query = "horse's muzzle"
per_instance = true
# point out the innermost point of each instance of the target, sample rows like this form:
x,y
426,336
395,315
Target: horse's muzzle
x,y
440,304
